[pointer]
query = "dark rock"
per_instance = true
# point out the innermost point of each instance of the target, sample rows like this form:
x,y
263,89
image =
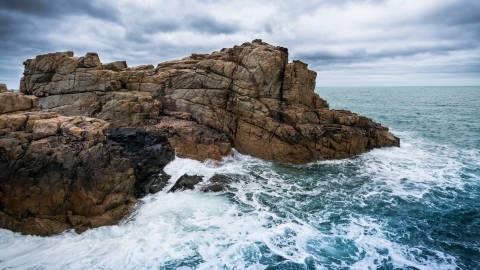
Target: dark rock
x,y
186,182
217,183
149,153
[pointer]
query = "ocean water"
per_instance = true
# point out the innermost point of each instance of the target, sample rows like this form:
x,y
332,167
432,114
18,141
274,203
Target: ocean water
x,y
412,207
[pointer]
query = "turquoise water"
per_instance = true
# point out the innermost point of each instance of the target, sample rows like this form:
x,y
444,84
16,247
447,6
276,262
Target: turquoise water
x,y
413,207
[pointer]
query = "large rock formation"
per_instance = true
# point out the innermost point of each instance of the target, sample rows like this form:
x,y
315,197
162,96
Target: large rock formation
x,y
59,172
84,139
248,97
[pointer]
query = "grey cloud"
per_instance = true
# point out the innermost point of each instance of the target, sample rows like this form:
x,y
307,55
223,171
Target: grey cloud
x,y
58,8
210,25
361,55
458,13
150,35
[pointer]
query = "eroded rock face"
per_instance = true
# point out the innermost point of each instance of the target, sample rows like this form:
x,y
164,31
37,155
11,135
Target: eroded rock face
x,y
58,173
248,96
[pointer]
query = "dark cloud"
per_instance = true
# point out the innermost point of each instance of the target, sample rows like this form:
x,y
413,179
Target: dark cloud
x,y
205,24
59,8
457,14
363,55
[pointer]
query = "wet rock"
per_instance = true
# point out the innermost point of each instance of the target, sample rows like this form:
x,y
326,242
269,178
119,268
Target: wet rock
x,y
217,183
186,182
149,153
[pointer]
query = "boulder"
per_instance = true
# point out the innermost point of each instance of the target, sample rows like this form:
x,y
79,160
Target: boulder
x,y
13,102
217,183
186,182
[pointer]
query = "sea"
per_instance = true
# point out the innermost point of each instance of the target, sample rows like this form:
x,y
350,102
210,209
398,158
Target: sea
x,y
416,206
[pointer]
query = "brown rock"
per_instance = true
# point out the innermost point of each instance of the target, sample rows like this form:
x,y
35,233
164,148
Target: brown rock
x,y
248,97
3,88
115,66
191,140
13,102
58,173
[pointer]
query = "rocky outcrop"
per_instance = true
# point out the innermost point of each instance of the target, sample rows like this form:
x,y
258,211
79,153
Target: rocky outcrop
x,y
83,139
248,95
192,140
58,173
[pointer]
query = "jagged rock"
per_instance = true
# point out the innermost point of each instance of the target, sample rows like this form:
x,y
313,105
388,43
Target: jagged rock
x,y
58,173
149,153
186,182
217,183
248,96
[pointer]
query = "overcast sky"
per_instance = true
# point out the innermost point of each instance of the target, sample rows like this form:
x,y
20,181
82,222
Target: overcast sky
x,y
348,43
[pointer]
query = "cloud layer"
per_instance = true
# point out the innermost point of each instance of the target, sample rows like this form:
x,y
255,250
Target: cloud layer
x,y
391,42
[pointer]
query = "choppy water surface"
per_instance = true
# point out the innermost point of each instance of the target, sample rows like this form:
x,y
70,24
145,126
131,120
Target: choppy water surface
x,y
413,207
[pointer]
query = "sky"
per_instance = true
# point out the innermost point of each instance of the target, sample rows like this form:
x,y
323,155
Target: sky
x,y
348,43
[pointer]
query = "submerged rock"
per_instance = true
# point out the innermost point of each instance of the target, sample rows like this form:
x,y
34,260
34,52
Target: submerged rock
x,y
217,183
186,182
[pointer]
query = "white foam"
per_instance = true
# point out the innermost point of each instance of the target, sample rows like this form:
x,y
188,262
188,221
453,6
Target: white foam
x,y
180,166
376,249
415,168
264,209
